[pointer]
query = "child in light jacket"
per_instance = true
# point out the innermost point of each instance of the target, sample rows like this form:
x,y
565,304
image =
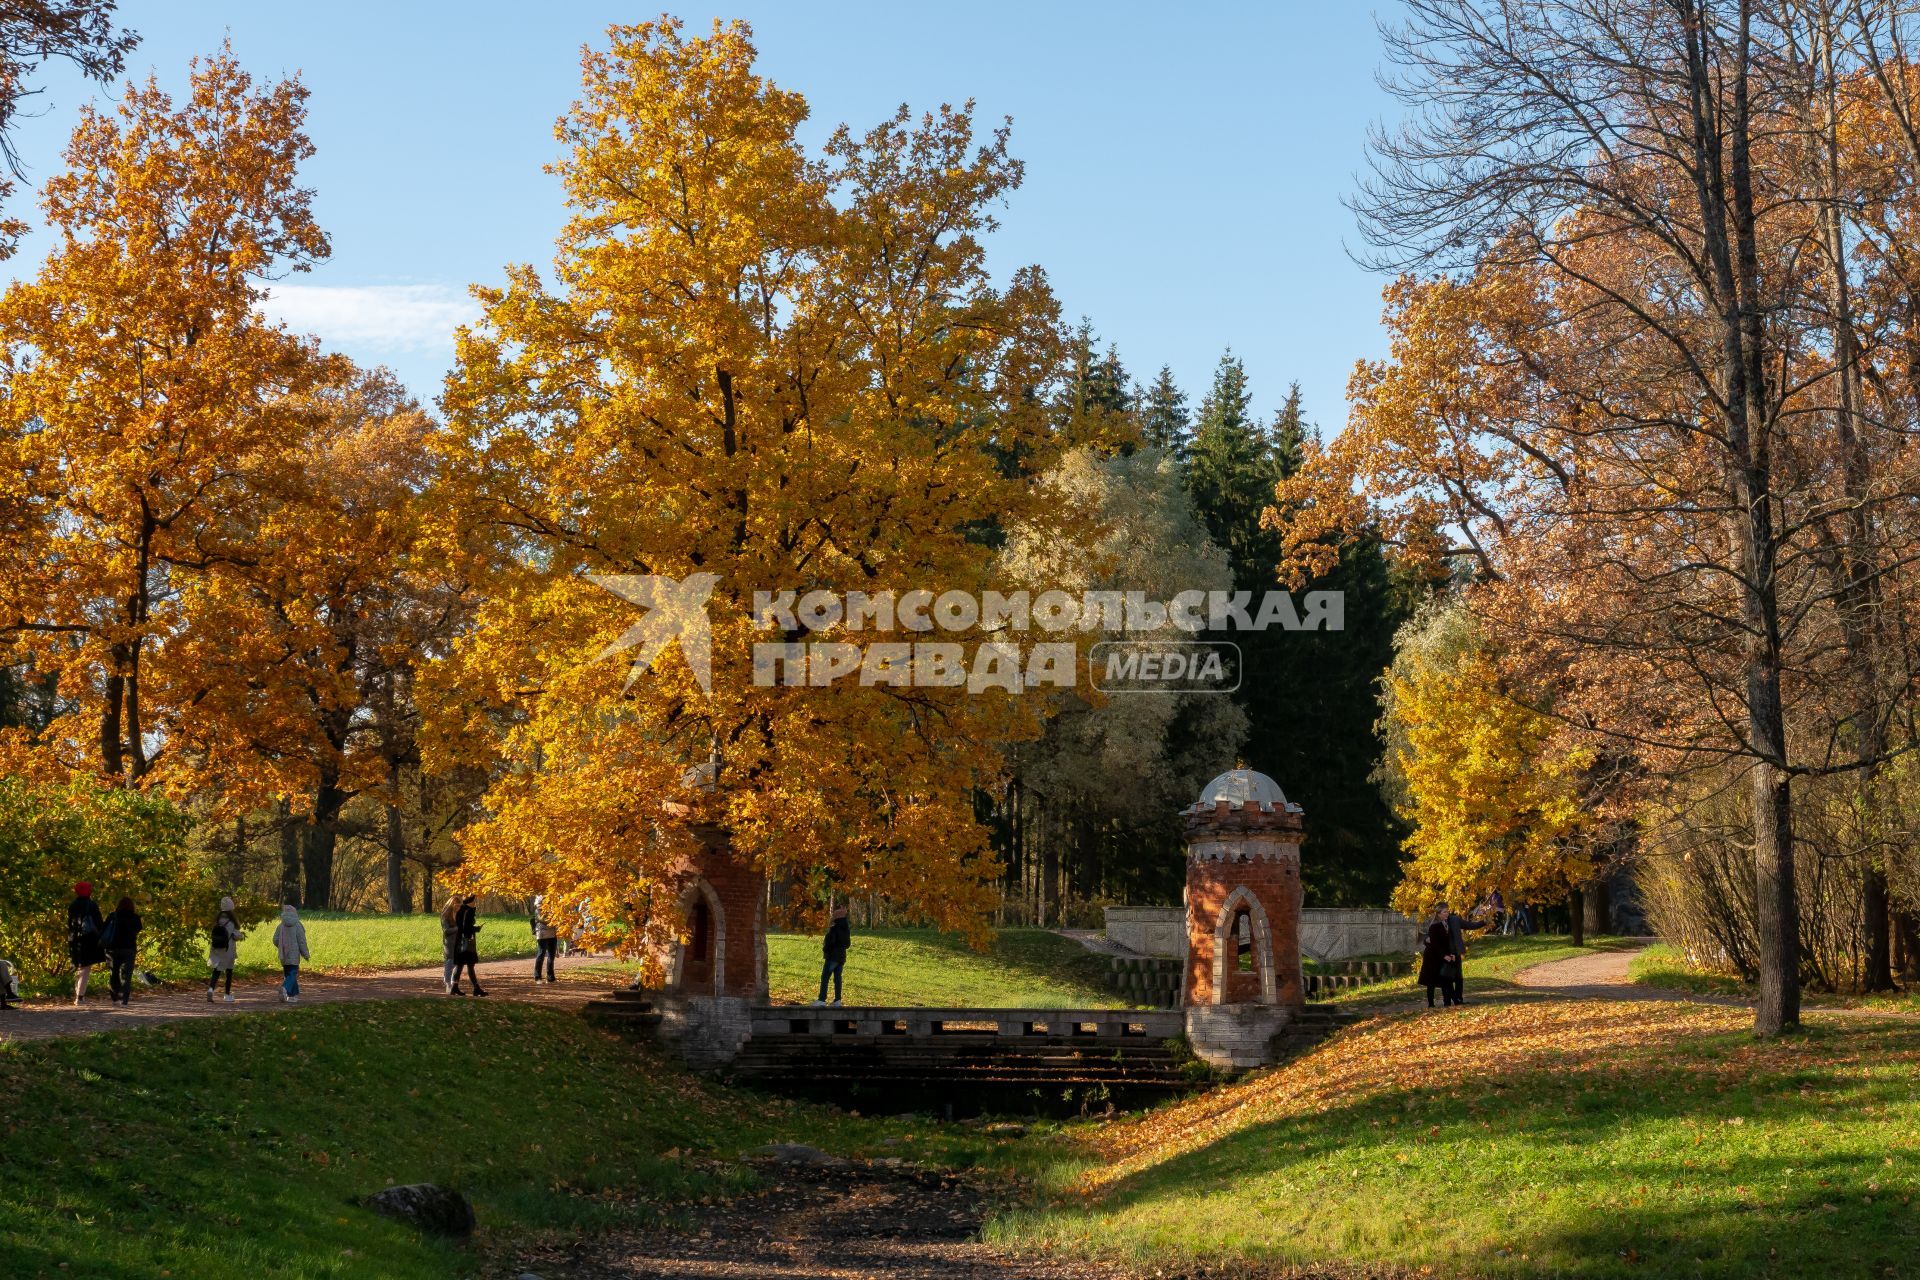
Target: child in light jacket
x,y
290,940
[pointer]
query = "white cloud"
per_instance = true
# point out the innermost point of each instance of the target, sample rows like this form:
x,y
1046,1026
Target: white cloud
x,y
375,317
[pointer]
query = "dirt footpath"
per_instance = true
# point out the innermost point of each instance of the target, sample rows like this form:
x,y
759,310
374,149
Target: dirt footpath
x,y
504,979
855,1222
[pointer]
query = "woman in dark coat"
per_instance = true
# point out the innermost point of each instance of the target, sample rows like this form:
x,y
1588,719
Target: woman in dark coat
x,y
1436,955
84,927
123,942
467,934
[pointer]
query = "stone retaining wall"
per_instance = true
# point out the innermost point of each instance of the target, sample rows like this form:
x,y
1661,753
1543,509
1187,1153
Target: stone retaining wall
x,y
1326,933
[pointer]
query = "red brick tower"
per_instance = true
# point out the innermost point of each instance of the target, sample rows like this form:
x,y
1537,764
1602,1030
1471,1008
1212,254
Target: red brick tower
x,y
1243,894
723,900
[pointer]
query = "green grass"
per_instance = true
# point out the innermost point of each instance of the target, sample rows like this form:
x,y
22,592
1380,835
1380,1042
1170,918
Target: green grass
x,y
343,943
1029,968
1662,965
1564,1139
231,1148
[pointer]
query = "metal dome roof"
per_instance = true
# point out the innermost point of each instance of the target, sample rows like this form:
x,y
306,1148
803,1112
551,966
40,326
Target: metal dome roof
x,y
1240,787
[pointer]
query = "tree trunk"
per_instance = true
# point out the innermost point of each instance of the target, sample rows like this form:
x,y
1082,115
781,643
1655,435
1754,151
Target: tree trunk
x,y
111,735
1732,245
1577,914
1877,973
289,852
1598,903
399,901
318,839
237,869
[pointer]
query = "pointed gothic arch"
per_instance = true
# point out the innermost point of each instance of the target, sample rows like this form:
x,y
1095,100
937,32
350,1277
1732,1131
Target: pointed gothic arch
x,y
1226,950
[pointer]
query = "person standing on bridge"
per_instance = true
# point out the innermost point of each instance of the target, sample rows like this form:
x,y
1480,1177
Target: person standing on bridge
x,y
833,950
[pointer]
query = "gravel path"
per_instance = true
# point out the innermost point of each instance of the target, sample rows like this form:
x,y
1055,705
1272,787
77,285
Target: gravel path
x,y
1603,975
508,979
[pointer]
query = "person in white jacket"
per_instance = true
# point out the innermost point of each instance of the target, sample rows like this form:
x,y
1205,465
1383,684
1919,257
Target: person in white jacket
x,y
290,940
223,949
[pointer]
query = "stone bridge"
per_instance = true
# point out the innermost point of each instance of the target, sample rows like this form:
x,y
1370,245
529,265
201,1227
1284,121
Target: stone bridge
x,y
1243,997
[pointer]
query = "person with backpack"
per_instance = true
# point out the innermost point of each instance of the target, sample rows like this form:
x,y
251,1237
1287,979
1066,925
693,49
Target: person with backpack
x,y
121,938
9,984
467,934
84,927
833,953
223,949
546,938
290,942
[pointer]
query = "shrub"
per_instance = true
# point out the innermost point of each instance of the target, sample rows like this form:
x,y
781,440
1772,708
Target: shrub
x,y
125,842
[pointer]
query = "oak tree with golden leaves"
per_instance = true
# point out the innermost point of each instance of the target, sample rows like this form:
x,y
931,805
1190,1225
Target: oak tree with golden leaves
x,y
784,369
146,401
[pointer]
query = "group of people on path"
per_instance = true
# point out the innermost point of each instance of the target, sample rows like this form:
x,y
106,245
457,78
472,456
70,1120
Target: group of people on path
x,y
94,938
1443,955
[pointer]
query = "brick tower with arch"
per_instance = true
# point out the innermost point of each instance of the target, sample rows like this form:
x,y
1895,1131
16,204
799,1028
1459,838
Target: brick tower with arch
x,y
1242,981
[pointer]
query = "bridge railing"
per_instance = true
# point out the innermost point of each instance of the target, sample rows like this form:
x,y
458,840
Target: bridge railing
x,y
1098,1026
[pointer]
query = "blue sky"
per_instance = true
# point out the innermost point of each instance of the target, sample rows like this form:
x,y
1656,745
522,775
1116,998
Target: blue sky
x,y
1184,167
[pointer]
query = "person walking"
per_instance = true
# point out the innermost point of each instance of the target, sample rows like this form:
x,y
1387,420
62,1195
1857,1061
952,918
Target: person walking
x,y
121,938
467,940
84,927
450,945
1457,943
547,938
290,942
1435,957
833,951
223,949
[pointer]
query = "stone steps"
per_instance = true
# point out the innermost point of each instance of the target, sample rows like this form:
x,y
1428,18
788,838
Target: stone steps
x,y
624,1009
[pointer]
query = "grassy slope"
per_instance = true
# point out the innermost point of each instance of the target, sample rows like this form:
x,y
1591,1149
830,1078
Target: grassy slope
x,y
1549,1139
230,1148
1022,967
1663,966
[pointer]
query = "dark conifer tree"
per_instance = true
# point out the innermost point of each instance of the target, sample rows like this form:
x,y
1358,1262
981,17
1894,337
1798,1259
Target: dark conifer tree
x,y
1163,414
1310,696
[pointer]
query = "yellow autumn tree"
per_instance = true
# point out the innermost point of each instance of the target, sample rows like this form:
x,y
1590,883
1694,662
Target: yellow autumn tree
x,y
305,648
778,370
143,398
1491,793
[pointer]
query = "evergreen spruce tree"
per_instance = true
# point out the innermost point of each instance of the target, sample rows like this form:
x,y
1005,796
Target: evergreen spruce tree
x,y
1231,472
1309,696
1163,414
1096,398
1290,434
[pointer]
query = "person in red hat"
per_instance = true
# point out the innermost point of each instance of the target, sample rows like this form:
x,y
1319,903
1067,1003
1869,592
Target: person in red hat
x,y
84,942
